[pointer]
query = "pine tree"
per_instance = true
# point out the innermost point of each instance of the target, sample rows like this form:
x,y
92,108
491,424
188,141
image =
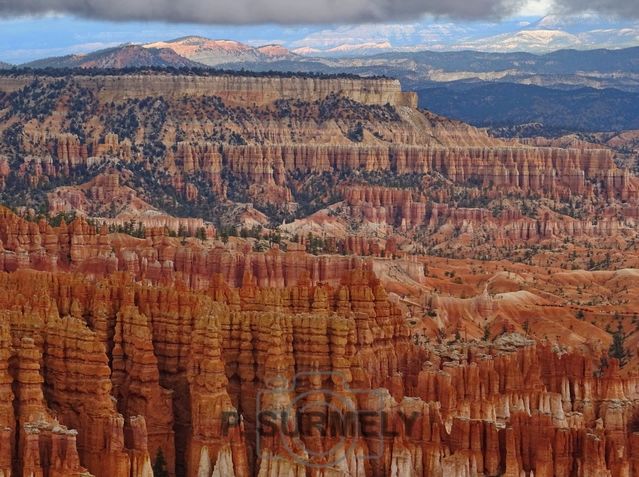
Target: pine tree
x,y
200,233
486,336
159,466
618,349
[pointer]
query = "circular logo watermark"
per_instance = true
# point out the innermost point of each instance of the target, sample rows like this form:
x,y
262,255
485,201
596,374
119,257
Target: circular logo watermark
x,y
315,426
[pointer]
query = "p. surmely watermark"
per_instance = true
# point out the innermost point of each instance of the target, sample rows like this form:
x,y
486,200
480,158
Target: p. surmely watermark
x,y
321,427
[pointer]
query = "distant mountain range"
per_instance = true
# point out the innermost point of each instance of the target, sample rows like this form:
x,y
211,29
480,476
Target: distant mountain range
x,y
125,56
189,51
216,52
561,69
564,69
533,35
522,34
554,32
348,49
530,39
505,104
573,89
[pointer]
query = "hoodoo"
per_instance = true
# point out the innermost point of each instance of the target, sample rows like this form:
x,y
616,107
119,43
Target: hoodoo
x,y
215,274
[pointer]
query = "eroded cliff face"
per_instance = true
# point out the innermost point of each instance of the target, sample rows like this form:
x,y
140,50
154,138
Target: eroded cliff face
x,y
235,89
202,147
552,172
127,369
499,223
503,195
547,171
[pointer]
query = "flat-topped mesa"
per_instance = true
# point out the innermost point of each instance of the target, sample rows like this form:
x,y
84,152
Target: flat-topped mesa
x,y
235,89
258,132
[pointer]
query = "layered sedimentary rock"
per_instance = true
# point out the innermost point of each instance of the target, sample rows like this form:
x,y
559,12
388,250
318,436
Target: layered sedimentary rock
x,y
443,221
205,158
7,414
68,152
241,128
395,207
42,445
136,381
158,258
103,192
551,171
176,146
511,227
234,88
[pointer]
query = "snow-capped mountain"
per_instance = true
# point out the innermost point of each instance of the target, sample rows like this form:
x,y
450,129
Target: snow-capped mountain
x,y
553,33
535,35
351,46
307,51
354,49
525,40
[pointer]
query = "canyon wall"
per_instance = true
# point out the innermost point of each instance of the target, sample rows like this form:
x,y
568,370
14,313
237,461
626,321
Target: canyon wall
x,y
158,258
551,172
548,171
170,151
406,211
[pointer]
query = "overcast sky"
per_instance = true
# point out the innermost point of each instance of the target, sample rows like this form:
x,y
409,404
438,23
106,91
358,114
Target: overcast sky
x,y
31,29
291,12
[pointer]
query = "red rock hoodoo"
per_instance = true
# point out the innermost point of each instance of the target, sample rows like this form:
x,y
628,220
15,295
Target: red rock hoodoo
x,y
208,261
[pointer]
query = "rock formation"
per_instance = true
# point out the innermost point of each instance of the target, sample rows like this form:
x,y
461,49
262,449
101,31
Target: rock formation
x,y
345,286
236,89
199,372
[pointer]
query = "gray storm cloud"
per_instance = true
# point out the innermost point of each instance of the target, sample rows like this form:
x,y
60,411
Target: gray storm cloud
x,y
293,11
621,8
